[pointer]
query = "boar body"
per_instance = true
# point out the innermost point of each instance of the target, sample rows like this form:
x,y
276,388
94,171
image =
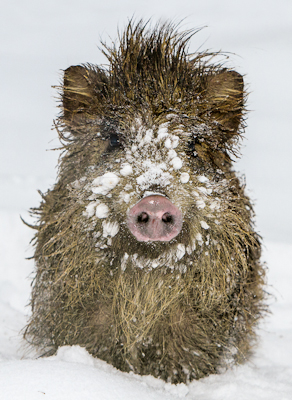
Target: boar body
x,y
145,249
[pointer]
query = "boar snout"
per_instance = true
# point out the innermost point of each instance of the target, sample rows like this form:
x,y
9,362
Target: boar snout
x,y
154,218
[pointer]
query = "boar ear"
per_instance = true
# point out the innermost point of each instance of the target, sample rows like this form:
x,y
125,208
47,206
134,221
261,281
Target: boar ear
x,y
77,92
225,100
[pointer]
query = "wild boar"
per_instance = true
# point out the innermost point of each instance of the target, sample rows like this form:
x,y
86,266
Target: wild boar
x,y
146,253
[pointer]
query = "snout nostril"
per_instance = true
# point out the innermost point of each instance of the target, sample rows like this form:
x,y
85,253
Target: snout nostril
x,y
143,218
167,218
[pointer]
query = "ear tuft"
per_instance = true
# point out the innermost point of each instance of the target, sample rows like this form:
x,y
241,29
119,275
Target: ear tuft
x,y
77,92
225,99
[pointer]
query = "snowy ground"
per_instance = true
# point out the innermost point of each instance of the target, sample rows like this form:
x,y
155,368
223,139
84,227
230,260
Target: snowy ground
x,y
37,40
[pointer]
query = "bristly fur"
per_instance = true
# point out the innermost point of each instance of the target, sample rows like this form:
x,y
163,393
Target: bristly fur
x,y
178,310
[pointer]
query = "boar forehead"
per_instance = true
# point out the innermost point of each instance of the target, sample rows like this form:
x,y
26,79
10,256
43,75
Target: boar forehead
x,y
152,156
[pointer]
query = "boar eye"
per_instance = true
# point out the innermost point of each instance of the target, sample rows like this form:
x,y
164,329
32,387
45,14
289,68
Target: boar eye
x,y
114,140
191,147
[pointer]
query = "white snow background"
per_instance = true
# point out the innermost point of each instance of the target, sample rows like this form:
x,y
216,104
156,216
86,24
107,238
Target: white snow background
x,y
40,38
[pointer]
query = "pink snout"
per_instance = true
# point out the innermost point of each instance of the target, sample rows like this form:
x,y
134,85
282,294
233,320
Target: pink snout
x,y
154,218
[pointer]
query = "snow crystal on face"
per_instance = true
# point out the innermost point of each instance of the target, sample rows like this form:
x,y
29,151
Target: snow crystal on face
x,y
204,190
124,261
204,225
77,184
126,170
177,163
144,139
128,186
96,235
105,183
199,239
90,209
180,251
154,174
102,211
110,228
200,204
203,179
171,142
154,264
182,268
162,131
167,143
92,197
150,193
126,197
175,140
171,154
169,259
134,148
129,156
184,178
215,205
190,248
148,136
171,116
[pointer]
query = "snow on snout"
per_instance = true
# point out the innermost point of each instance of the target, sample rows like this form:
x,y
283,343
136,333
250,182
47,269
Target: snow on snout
x,y
105,183
154,174
110,228
126,170
171,142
